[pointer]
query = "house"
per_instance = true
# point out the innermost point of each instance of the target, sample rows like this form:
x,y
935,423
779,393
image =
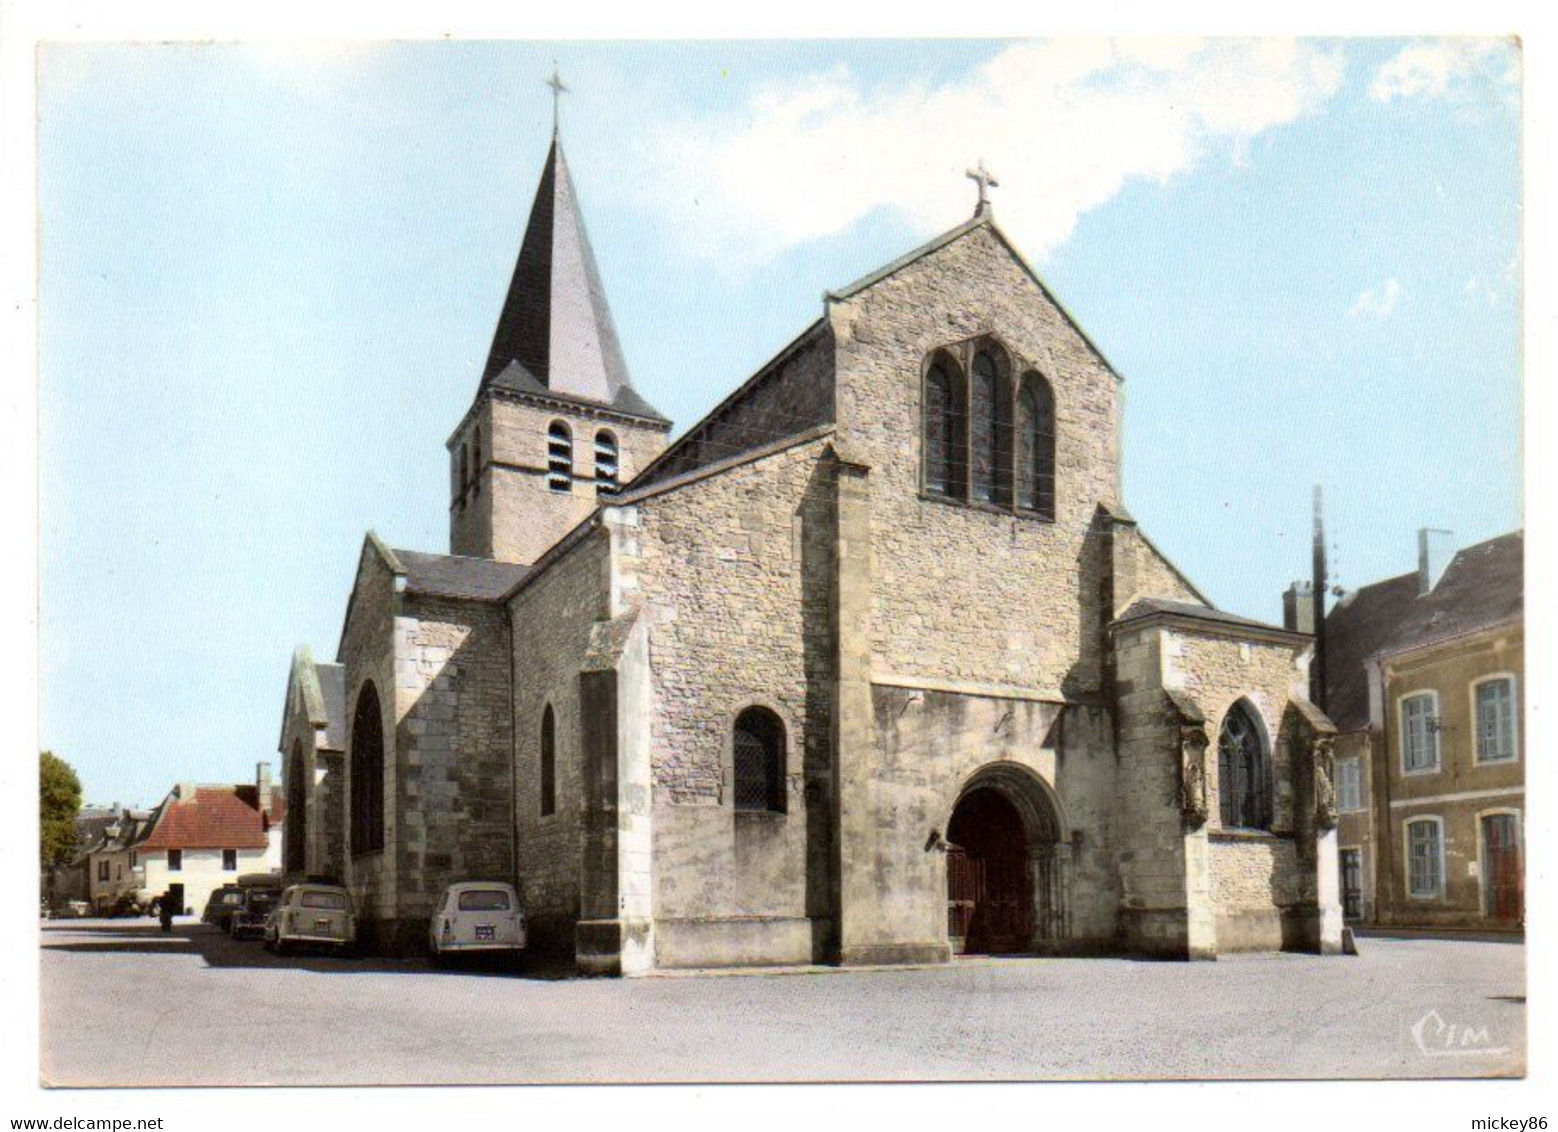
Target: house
x,y
112,860
1425,678
870,665
204,836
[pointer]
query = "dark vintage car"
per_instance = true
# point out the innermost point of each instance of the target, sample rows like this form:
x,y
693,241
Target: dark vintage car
x,y
248,921
224,902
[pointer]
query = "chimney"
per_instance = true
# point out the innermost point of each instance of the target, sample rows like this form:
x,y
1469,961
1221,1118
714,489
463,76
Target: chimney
x,y
1298,608
1435,548
262,785
185,791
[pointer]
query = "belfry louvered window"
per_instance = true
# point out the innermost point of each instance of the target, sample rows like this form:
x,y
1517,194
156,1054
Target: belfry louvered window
x,y
1243,774
559,457
759,761
607,471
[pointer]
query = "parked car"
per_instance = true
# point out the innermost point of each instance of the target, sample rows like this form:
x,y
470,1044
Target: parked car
x,y
127,904
255,903
477,917
223,903
318,914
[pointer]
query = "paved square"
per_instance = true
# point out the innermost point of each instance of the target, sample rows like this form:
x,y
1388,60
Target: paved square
x,y
124,1004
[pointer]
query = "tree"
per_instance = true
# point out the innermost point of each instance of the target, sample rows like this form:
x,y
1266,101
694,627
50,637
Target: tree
x,y
60,800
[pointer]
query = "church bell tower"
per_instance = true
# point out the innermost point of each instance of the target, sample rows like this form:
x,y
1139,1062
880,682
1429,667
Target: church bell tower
x,y
556,427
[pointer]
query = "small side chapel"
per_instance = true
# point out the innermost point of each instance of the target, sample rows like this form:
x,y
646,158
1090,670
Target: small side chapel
x,y
870,665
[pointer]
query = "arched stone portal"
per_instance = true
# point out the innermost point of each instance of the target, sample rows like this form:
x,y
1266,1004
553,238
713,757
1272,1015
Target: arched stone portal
x,y
1006,884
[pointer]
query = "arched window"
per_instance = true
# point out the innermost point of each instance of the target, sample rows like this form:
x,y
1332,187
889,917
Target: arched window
x,y
296,836
367,770
606,469
990,437
548,762
759,761
1243,772
465,475
476,463
944,431
559,457
1036,446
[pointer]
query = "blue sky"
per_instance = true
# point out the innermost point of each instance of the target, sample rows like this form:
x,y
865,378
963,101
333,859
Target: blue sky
x,y
269,278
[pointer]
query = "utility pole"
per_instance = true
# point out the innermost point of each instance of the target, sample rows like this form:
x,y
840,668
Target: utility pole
x,y
1319,586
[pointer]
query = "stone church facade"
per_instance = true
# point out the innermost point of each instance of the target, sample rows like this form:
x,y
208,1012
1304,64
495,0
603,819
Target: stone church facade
x,y
870,665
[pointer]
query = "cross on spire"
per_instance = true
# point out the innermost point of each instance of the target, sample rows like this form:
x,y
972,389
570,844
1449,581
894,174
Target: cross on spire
x,y
986,181
558,90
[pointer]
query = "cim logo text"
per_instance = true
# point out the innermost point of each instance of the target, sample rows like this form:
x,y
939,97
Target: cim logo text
x,y
1437,1038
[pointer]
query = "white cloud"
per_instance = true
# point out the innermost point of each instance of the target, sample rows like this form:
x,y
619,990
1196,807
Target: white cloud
x,y
1376,303
1065,125
1456,68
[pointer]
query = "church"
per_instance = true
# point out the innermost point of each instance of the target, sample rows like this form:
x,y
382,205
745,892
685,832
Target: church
x,y
871,665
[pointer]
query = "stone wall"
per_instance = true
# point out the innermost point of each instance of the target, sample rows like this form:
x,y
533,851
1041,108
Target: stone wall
x,y
368,652
734,574
453,753
963,593
790,395
552,617
510,513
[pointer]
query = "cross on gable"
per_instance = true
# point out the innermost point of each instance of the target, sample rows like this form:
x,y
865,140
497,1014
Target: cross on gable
x,y
558,90
986,181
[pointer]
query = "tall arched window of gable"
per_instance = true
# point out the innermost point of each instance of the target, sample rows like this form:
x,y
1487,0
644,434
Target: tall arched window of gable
x,y
607,470
945,434
1243,771
296,827
758,762
559,457
1036,446
465,474
990,439
367,774
548,762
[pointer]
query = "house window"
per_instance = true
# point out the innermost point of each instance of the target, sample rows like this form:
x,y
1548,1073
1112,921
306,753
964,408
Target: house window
x,y
1420,733
229,860
606,468
759,761
175,860
1495,700
548,762
559,457
1349,786
102,870
1036,446
945,432
367,774
1425,858
1243,777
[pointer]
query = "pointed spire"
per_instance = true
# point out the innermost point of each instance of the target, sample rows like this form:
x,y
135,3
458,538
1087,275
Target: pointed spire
x,y
555,334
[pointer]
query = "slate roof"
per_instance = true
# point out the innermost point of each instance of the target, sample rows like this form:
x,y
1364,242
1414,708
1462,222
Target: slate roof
x,y
1150,606
332,688
452,575
1484,585
554,334
216,817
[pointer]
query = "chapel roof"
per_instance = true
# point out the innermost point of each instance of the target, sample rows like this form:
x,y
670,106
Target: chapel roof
x,y
1145,607
554,335
457,576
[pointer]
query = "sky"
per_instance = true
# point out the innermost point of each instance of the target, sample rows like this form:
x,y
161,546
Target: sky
x,y
270,273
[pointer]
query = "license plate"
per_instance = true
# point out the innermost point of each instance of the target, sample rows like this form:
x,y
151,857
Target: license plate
x,y
322,926
484,931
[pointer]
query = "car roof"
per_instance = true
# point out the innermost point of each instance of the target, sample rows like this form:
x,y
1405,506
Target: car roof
x,y
462,885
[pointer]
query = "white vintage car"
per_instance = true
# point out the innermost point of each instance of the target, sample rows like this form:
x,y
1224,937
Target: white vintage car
x,y
480,917
313,914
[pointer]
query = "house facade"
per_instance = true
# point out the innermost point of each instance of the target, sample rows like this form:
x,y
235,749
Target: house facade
x,y
204,836
870,665
1427,684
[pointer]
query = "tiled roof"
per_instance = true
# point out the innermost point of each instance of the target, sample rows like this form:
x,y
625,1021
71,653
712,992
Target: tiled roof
x,y
453,575
1483,585
216,817
1148,606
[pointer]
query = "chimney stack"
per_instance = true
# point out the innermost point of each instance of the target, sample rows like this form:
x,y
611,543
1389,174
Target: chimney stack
x,y
1298,608
1435,548
262,784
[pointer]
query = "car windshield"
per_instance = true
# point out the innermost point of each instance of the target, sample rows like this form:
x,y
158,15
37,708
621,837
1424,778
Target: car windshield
x,y
262,897
484,900
331,901
232,898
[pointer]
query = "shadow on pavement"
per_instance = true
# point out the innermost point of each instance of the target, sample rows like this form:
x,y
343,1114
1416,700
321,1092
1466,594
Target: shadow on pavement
x,y
217,949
